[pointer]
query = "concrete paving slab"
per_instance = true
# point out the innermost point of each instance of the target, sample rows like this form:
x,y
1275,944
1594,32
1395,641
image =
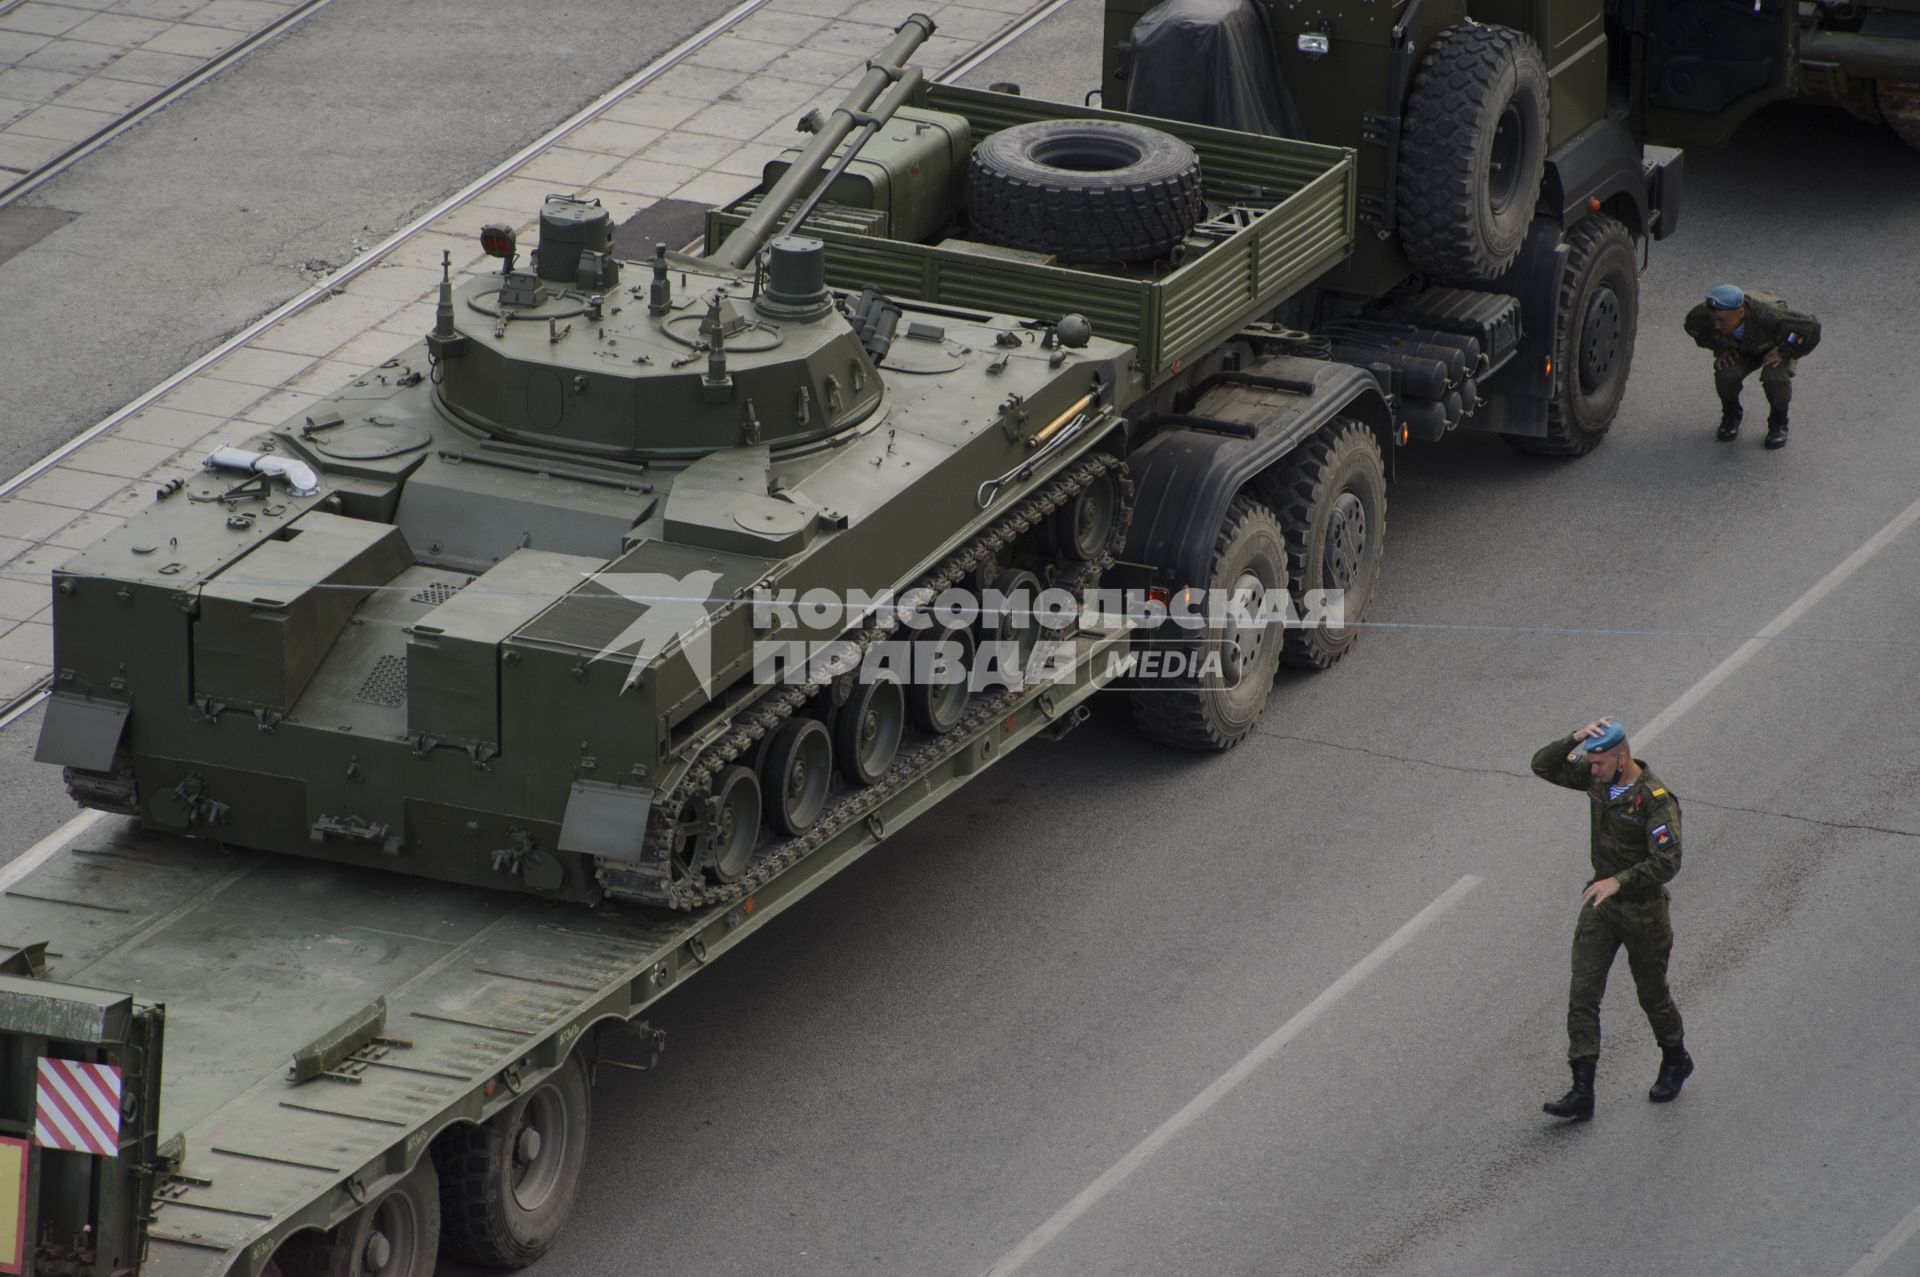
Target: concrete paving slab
x,y
173,427
62,123
67,56
193,41
98,93
255,366
30,642
22,594
78,490
83,531
44,19
122,458
150,66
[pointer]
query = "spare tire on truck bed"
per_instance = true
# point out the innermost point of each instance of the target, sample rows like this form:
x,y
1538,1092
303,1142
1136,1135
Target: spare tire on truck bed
x,y
1084,190
1473,148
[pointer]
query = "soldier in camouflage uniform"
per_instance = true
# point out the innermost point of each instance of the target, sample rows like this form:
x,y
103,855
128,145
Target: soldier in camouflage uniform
x,y
1748,331
1636,852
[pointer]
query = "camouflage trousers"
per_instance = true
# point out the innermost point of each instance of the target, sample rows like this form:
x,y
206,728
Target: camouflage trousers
x,y
1775,379
1643,928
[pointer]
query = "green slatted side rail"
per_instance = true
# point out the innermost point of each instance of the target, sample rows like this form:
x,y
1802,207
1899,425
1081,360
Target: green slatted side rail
x,y
1307,230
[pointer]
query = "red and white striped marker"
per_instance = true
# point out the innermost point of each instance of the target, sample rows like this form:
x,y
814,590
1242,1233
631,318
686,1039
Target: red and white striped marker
x,y
77,1107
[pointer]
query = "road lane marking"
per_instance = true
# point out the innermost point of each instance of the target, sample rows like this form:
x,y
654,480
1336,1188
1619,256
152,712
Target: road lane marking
x,y
1793,612
38,854
1222,1086
1884,1248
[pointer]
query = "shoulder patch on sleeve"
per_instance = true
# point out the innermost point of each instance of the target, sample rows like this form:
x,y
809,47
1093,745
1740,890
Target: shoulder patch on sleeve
x,y
1661,836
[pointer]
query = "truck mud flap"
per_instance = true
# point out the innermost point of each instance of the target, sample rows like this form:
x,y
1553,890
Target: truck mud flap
x,y
83,733
1516,397
1186,477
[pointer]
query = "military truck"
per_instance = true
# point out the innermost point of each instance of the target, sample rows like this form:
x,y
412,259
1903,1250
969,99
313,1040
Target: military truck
x,y
476,708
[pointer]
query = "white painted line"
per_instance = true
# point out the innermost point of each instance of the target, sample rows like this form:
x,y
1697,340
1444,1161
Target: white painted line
x,y
1222,1086
1884,1248
41,852
1794,611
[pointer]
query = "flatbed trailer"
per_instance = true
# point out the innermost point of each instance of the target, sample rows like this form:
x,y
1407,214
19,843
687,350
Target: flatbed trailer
x,y
243,961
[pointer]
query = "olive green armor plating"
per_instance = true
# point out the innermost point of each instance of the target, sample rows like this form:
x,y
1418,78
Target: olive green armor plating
x,y
477,615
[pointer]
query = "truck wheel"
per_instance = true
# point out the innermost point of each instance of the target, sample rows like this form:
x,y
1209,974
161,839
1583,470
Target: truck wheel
x,y
395,1235
1215,707
508,1183
1472,152
1332,501
1595,318
1084,190
1899,102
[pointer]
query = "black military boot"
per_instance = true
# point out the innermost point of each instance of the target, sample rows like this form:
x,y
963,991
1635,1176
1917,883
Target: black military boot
x,y
1676,1066
1777,430
1729,420
1576,1104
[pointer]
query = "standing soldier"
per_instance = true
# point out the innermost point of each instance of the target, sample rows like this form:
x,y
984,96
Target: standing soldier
x,y
1746,331
1636,852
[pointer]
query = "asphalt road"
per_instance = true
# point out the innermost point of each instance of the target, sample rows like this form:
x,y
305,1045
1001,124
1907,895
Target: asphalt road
x,y
920,1067
259,182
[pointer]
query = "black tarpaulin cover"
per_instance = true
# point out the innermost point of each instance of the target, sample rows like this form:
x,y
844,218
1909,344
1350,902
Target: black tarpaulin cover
x,y
1209,62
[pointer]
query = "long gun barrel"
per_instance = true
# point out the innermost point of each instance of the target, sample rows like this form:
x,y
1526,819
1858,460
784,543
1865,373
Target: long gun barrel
x,y
858,109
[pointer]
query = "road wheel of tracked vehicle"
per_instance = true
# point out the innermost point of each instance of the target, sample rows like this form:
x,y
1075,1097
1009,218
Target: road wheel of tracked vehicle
x,y
733,825
1080,528
1473,149
795,775
1084,190
508,1183
1332,500
935,705
1008,620
867,730
1899,102
397,1234
1596,317
1214,706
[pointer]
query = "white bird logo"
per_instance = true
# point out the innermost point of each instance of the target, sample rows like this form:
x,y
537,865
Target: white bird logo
x,y
671,608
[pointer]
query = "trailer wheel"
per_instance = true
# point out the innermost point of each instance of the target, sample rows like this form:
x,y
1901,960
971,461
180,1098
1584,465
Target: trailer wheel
x,y
1084,190
395,1235
1214,707
1596,316
1332,500
507,1184
1472,152
1899,103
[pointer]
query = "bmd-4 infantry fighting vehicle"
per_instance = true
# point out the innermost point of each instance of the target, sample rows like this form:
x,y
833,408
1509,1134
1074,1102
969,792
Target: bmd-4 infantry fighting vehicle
x,y
488,614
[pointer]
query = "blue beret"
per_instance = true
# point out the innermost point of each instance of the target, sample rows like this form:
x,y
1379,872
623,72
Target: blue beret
x,y
1726,297
1610,735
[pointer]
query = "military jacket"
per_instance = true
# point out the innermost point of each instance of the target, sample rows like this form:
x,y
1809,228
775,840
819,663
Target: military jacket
x,y
1768,326
1636,837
